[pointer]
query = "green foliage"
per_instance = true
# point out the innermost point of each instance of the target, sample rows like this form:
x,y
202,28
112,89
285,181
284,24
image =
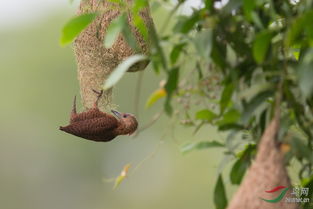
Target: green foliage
x,y
176,51
226,96
235,58
113,31
206,115
203,43
155,96
170,87
185,24
300,27
220,199
308,183
229,63
229,118
261,45
121,69
120,26
240,166
75,26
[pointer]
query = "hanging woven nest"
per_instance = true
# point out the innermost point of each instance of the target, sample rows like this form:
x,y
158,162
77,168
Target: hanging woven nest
x,y
95,62
266,172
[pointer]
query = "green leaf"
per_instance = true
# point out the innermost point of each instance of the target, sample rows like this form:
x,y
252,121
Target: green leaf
x,y
119,179
158,57
248,7
113,31
298,110
308,183
301,150
230,116
203,42
129,37
242,164
139,4
305,74
122,68
250,149
208,4
155,96
220,199
170,87
199,70
301,25
230,126
172,81
261,45
75,26
238,171
187,23
176,52
255,89
294,31
140,25
200,145
226,96
254,103
218,53
207,115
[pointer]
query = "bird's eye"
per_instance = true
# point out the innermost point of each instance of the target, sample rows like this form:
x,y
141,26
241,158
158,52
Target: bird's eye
x,y
124,116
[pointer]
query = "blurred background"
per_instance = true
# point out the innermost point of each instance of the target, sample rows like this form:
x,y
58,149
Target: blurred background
x,y
44,168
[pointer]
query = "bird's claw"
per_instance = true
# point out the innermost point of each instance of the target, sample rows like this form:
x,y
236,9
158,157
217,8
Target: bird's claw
x,y
98,97
97,92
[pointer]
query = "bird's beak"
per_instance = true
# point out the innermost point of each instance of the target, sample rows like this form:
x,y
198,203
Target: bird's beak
x,y
117,114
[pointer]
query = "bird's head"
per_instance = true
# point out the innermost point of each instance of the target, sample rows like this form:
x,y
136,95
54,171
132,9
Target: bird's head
x,y
128,121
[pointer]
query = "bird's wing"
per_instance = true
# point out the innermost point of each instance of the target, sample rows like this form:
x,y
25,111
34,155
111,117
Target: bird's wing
x,y
90,114
93,127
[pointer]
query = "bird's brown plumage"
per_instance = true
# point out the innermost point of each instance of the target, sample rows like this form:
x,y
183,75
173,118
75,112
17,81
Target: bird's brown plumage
x,y
99,126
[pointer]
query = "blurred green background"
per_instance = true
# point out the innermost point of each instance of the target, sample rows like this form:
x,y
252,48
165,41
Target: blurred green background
x,y
44,168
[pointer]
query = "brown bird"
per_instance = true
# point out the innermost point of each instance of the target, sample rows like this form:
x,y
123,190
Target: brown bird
x,y
99,126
